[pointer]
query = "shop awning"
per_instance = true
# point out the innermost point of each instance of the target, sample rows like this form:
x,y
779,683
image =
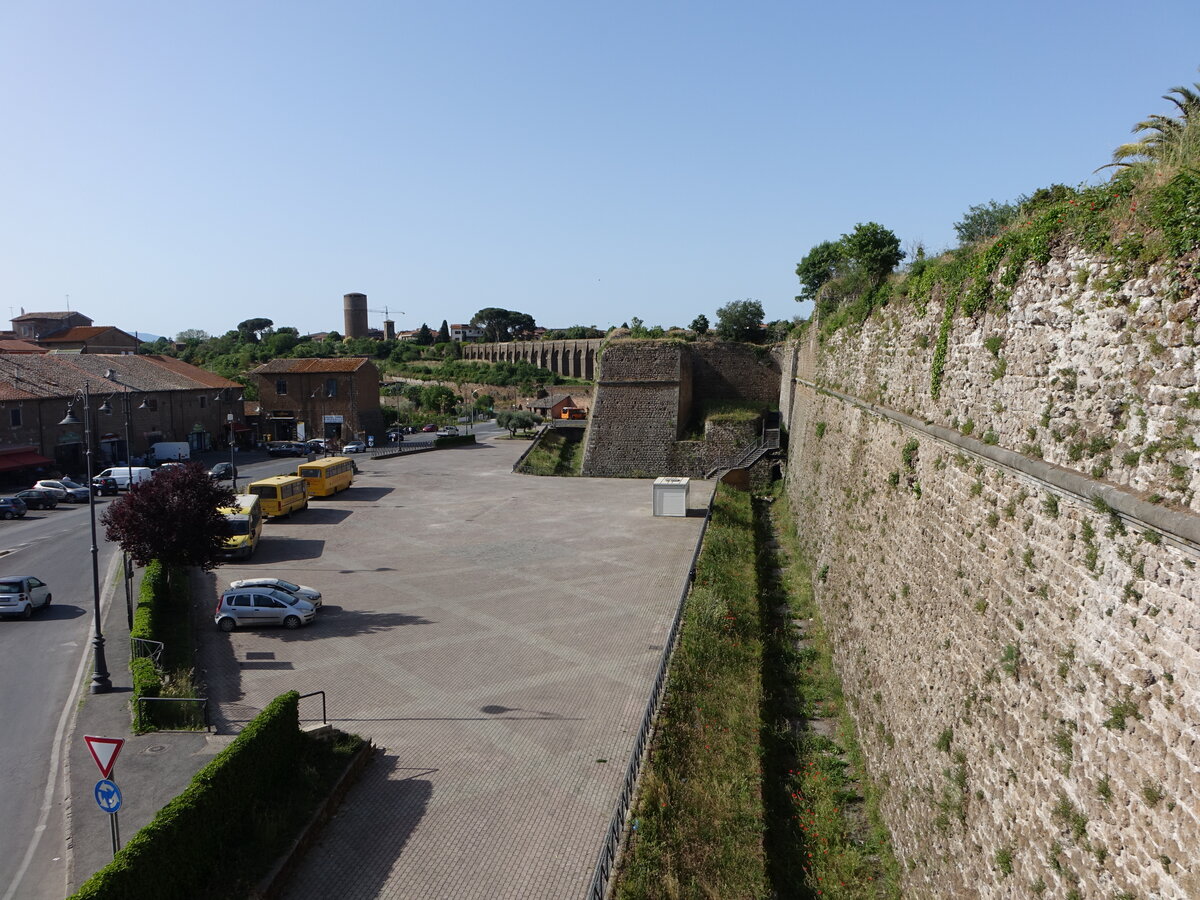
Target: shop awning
x,y
20,459
238,426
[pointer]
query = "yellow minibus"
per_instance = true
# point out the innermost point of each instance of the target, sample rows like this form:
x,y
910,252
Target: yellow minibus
x,y
243,526
327,476
280,495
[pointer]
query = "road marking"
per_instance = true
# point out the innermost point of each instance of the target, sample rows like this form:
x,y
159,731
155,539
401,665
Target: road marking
x,y
51,782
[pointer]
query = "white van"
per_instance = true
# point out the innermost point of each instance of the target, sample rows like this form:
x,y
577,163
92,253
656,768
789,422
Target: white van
x,y
126,475
171,451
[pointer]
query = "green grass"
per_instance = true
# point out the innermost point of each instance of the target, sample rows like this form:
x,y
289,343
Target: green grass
x,y
699,816
557,453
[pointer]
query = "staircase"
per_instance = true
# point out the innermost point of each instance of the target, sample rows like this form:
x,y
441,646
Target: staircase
x,y
764,444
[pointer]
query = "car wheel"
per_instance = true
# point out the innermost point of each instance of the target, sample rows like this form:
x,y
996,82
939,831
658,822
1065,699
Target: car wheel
x,y
226,624
49,597
291,622
27,612
8,514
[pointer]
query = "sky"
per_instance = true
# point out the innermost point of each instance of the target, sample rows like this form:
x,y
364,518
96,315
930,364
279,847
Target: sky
x,y
172,166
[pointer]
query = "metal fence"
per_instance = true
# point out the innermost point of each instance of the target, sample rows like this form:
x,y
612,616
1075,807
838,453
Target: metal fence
x,y
203,701
616,825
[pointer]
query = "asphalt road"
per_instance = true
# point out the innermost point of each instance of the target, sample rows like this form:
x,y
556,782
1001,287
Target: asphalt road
x,y
40,661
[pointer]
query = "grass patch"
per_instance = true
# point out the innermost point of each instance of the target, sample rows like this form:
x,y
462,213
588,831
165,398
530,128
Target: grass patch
x,y
557,453
698,822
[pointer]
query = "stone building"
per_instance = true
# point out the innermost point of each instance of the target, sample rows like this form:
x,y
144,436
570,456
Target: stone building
x,y
150,398
300,399
90,339
38,325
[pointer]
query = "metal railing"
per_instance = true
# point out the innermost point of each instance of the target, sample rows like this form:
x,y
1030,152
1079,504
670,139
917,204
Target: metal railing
x,y
138,651
137,709
324,720
616,825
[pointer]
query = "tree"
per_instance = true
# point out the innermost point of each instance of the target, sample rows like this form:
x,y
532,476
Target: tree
x,y
438,397
700,325
503,324
819,266
1167,139
985,220
516,420
424,336
443,335
872,250
251,330
189,335
740,320
172,517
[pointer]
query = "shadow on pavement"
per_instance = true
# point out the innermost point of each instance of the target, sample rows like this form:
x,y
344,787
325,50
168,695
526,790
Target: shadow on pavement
x,y
58,612
313,516
217,663
335,621
282,549
376,820
365,494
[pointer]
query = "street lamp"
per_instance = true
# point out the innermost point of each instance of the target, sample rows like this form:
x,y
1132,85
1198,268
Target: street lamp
x,y
229,421
100,680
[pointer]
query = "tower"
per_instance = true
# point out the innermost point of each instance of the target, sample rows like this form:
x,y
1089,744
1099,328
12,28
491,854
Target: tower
x,y
355,307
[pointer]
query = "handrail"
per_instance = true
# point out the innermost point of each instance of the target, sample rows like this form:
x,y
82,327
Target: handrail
x,y
616,825
137,714
324,720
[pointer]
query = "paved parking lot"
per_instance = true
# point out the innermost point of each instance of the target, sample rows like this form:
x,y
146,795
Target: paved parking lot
x,y
497,635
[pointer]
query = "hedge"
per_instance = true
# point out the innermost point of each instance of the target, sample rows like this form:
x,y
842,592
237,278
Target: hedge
x,y
453,440
162,615
184,852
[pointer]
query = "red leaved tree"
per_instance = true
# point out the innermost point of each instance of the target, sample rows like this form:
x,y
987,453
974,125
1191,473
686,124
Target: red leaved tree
x,y
172,517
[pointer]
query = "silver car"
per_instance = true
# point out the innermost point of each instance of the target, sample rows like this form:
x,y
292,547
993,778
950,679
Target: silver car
x,y
19,594
312,595
261,606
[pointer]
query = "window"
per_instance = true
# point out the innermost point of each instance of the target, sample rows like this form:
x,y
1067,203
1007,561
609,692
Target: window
x,y
331,387
152,404
203,401
281,387
14,417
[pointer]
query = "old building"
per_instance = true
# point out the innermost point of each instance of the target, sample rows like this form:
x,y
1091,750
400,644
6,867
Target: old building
x,y
136,401
90,339
37,325
335,398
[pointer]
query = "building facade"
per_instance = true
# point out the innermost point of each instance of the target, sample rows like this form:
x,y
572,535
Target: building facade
x,y
301,399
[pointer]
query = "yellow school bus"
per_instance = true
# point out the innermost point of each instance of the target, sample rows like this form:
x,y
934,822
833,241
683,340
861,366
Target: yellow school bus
x,y
327,476
280,495
243,526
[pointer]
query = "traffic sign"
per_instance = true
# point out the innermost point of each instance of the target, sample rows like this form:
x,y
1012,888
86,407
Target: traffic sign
x,y
104,751
108,795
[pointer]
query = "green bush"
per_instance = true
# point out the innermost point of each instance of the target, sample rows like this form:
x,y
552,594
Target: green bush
x,y
185,851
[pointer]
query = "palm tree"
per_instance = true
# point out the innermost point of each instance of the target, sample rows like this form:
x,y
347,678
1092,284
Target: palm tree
x,y
1168,139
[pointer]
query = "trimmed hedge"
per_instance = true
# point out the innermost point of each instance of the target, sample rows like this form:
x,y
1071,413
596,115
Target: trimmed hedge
x,y
185,851
453,440
162,614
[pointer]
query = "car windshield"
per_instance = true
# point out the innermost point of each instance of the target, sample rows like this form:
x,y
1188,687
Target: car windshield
x,y
237,526
284,598
287,585
69,483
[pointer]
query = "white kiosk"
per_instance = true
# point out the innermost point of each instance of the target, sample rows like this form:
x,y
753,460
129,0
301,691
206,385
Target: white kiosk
x,y
671,496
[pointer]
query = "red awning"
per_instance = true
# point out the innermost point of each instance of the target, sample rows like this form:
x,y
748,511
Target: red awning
x,y
21,459
238,426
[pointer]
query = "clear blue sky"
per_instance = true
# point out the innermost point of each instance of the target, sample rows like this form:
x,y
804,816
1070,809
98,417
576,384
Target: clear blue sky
x,y
191,165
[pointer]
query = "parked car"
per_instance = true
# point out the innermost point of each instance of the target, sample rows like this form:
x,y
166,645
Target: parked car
x,y
262,606
36,498
430,427
312,595
126,475
354,447
105,486
65,490
223,471
395,436
448,431
19,594
12,508
287,448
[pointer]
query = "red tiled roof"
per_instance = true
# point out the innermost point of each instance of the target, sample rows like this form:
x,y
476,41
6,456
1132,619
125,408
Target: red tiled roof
x,y
300,366
179,367
84,333
15,345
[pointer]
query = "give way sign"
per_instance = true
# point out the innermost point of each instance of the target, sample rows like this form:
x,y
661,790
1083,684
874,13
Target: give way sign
x,y
104,751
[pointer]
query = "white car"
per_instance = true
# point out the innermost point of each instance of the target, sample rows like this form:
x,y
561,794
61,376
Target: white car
x,y
355,447
448,431
64,491
19,594
312,595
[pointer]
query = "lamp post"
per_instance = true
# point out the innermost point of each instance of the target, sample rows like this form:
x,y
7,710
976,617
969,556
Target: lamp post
x,y
100,680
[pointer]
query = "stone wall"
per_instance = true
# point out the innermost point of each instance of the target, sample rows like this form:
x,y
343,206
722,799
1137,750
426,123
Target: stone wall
x,y
647,396
1023,661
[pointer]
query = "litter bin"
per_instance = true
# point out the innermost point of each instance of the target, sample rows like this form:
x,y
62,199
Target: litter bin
x,y
671,496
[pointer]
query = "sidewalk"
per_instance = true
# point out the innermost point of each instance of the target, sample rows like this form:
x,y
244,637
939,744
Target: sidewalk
x,y
151,770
